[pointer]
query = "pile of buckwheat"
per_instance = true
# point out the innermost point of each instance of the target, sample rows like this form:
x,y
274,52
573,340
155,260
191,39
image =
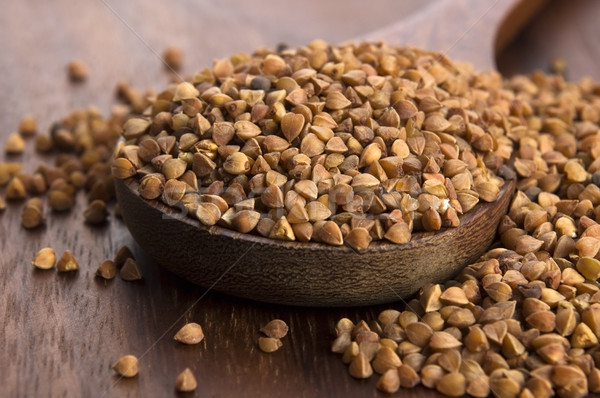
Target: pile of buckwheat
x,y
363,142
349,144
524,320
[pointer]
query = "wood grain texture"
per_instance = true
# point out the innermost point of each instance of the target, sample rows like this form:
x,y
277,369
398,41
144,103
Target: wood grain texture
x,y
309,274
61,333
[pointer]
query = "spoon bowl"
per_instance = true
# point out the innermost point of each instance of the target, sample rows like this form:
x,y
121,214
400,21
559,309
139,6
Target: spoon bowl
x,y
315,274
307,274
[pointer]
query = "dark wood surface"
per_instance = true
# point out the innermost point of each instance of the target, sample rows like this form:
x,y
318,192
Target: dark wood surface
x,y
61,333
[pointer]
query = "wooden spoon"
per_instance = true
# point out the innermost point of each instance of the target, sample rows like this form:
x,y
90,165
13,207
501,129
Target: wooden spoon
x,y
315,274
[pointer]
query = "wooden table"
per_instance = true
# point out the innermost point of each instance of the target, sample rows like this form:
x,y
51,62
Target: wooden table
x,y
61,333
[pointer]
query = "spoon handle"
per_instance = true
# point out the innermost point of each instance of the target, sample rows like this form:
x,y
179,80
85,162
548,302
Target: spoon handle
x,y
466,30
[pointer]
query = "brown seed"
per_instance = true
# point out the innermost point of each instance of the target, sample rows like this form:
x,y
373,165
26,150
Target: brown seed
x,y
552,353
173,58
173,192
185,381
207,213
44,259
351,352
575,171
583,337
566,321
591,317
307,188
245,220
32,214
545,321
589,267
341,343
297,213
499,311
329,233
190,333
130,270
15,190
452,384
126,366
96,212
8,170
202,165
122,168
272,197
237,163
371,153
77,71
185,90
431,374
60,200
344,325
43,143
594,380
151,186
431,220
317,211
406,318
291,125
430,298
336,100
398,233
569,379
434,320
174,168
264,226
386,359
419,333
461,318
275,328
269,344
364,182
107,270
282,230
408,377
360,367
499,291
389,381
14,144
28,126
415,360
532,305
245,130
511,346
67,262
388,342
443,341
451,356
454,296
476,340
311,145
122,255
336,145
273,177
358,239
551,297
341,194
506,383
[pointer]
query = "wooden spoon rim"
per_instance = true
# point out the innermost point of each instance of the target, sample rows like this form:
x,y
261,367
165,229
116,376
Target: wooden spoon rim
x,y
417,238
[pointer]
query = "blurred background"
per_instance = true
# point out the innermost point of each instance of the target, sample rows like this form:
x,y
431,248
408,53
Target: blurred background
x,y
123,41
